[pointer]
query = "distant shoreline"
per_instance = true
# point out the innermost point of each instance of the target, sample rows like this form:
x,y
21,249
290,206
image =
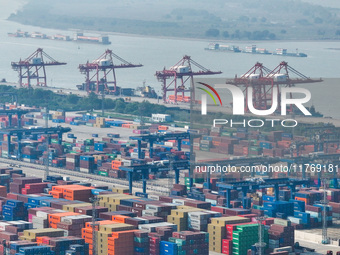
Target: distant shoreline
x,y
202,39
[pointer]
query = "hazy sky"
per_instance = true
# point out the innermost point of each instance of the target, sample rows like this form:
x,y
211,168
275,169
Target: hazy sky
x,y
327,3
9,6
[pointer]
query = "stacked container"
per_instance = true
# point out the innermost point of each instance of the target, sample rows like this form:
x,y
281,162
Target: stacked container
x,y
13,210
245,236
141,243
281,234
217,230
87,164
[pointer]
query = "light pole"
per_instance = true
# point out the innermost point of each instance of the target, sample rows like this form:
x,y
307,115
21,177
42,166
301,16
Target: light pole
x,y
94,200
47,169
260,244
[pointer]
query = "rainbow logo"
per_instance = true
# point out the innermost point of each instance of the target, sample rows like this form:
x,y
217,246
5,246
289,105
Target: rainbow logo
x,y
204,97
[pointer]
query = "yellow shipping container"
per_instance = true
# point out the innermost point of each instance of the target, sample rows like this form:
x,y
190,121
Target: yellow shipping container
x,y
72,207
51,232
229,220
115,227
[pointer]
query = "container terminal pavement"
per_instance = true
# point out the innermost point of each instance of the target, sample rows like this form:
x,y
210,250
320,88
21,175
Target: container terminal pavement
x,y
230,214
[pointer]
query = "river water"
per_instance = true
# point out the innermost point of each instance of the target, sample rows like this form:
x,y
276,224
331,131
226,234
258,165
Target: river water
x,y
156,53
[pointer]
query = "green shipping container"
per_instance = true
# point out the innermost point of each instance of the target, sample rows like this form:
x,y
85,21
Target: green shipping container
x,y
102,173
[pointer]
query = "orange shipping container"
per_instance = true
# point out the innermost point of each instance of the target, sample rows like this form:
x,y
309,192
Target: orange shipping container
x,y
56,217
119,218
56,194
306,200
3,191
104,222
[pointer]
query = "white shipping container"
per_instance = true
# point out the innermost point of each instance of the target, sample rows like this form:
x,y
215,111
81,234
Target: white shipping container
x,y
212,202
38,220
41,214
215,129
154,208
173,206
199,215
170,144
153,197
161,117
84,170
178,201
295,220
314,214
127,162
71,160
3,225
149,213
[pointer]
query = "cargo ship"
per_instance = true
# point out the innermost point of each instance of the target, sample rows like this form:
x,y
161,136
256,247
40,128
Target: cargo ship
x,y
253,50
61,37
78,37
38,35
283,52
223,47
18,33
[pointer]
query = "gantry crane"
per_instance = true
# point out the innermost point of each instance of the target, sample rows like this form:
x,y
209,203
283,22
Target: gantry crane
x,y
33,68
182,71
104,78
262,80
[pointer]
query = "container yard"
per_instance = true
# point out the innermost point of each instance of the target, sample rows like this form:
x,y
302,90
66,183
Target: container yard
x,y
93,185
195,161
85,183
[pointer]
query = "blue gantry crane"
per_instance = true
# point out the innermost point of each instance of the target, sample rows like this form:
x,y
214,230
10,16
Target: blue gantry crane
x,y
160,137
21,132
324,161
11,113
144,170
235,163
250,185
